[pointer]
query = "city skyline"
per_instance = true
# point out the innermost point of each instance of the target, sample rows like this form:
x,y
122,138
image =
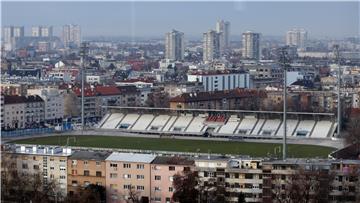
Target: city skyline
x,y
152,19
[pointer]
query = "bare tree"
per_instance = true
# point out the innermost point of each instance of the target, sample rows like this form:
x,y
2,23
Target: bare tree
x,y
71,104
185,185
134,196
353,130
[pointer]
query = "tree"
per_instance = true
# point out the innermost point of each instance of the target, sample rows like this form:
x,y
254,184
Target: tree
x,y
241,198
353,133
303,186
134,196
185,185
71,105
19,186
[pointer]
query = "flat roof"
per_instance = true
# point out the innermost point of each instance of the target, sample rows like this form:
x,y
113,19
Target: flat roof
x,y
131,157
90,155
175,160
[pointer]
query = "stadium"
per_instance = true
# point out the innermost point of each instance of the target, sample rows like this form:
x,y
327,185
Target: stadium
x,y
218,123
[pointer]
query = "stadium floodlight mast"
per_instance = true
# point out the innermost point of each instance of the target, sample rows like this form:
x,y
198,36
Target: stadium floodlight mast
x,y
337,60
83,54
284,62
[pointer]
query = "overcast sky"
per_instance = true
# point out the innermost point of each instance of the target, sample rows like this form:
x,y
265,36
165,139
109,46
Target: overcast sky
x,y
321,19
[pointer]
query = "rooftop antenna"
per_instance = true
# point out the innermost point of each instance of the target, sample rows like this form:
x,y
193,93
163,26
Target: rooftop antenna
x,y
337,60
284,62
83,55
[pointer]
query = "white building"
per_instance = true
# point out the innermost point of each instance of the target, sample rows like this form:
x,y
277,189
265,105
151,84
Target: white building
x,y
251,45
54,103
224,28
211,46
42,31
220,80
174,45
71,35
297,37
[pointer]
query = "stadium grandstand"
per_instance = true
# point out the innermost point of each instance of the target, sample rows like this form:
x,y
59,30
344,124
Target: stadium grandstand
x,y
218,123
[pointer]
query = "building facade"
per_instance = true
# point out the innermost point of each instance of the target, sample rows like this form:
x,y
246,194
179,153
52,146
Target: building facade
x,y
251,45
174,45
297,37
224,28
128,177
85,168
211,46
220,80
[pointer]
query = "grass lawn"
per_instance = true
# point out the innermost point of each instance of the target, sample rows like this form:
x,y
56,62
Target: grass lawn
x,y
169,144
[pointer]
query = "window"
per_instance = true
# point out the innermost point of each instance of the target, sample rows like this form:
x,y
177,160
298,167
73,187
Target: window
x,y
36,167
158,199
171,189
86,173
113,175
74,183
113,186
52,176
74,172
62,160
86,163
171,178
25,166
74,162
157,177
127,187
140,166
127,165
140,187
140,177
186,168
171,168
113,165
157,189
127,176
98,173
62,177
98,163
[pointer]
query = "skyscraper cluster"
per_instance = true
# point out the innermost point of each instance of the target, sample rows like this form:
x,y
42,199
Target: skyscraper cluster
x,y
42,31
297,37
71,35
10,34
216,42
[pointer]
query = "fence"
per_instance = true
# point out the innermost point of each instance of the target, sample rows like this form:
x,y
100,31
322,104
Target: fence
x,y
24,132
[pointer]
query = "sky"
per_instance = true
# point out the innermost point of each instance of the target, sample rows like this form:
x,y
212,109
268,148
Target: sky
x,y
145,19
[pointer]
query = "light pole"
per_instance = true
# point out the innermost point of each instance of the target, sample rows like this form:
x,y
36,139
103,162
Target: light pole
x,y
337,59
284,63
83,54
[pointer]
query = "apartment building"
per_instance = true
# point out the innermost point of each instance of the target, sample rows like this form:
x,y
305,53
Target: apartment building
x,y
232,176
128,176
54,103
220,80
23,111
163,170
85,168
49,162
228,99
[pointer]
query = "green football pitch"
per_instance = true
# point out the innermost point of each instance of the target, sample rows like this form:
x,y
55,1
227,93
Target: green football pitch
x,y
183,145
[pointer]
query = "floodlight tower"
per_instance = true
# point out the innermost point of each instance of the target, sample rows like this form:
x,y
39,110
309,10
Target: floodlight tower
x,y
337,60
284,62
83,55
